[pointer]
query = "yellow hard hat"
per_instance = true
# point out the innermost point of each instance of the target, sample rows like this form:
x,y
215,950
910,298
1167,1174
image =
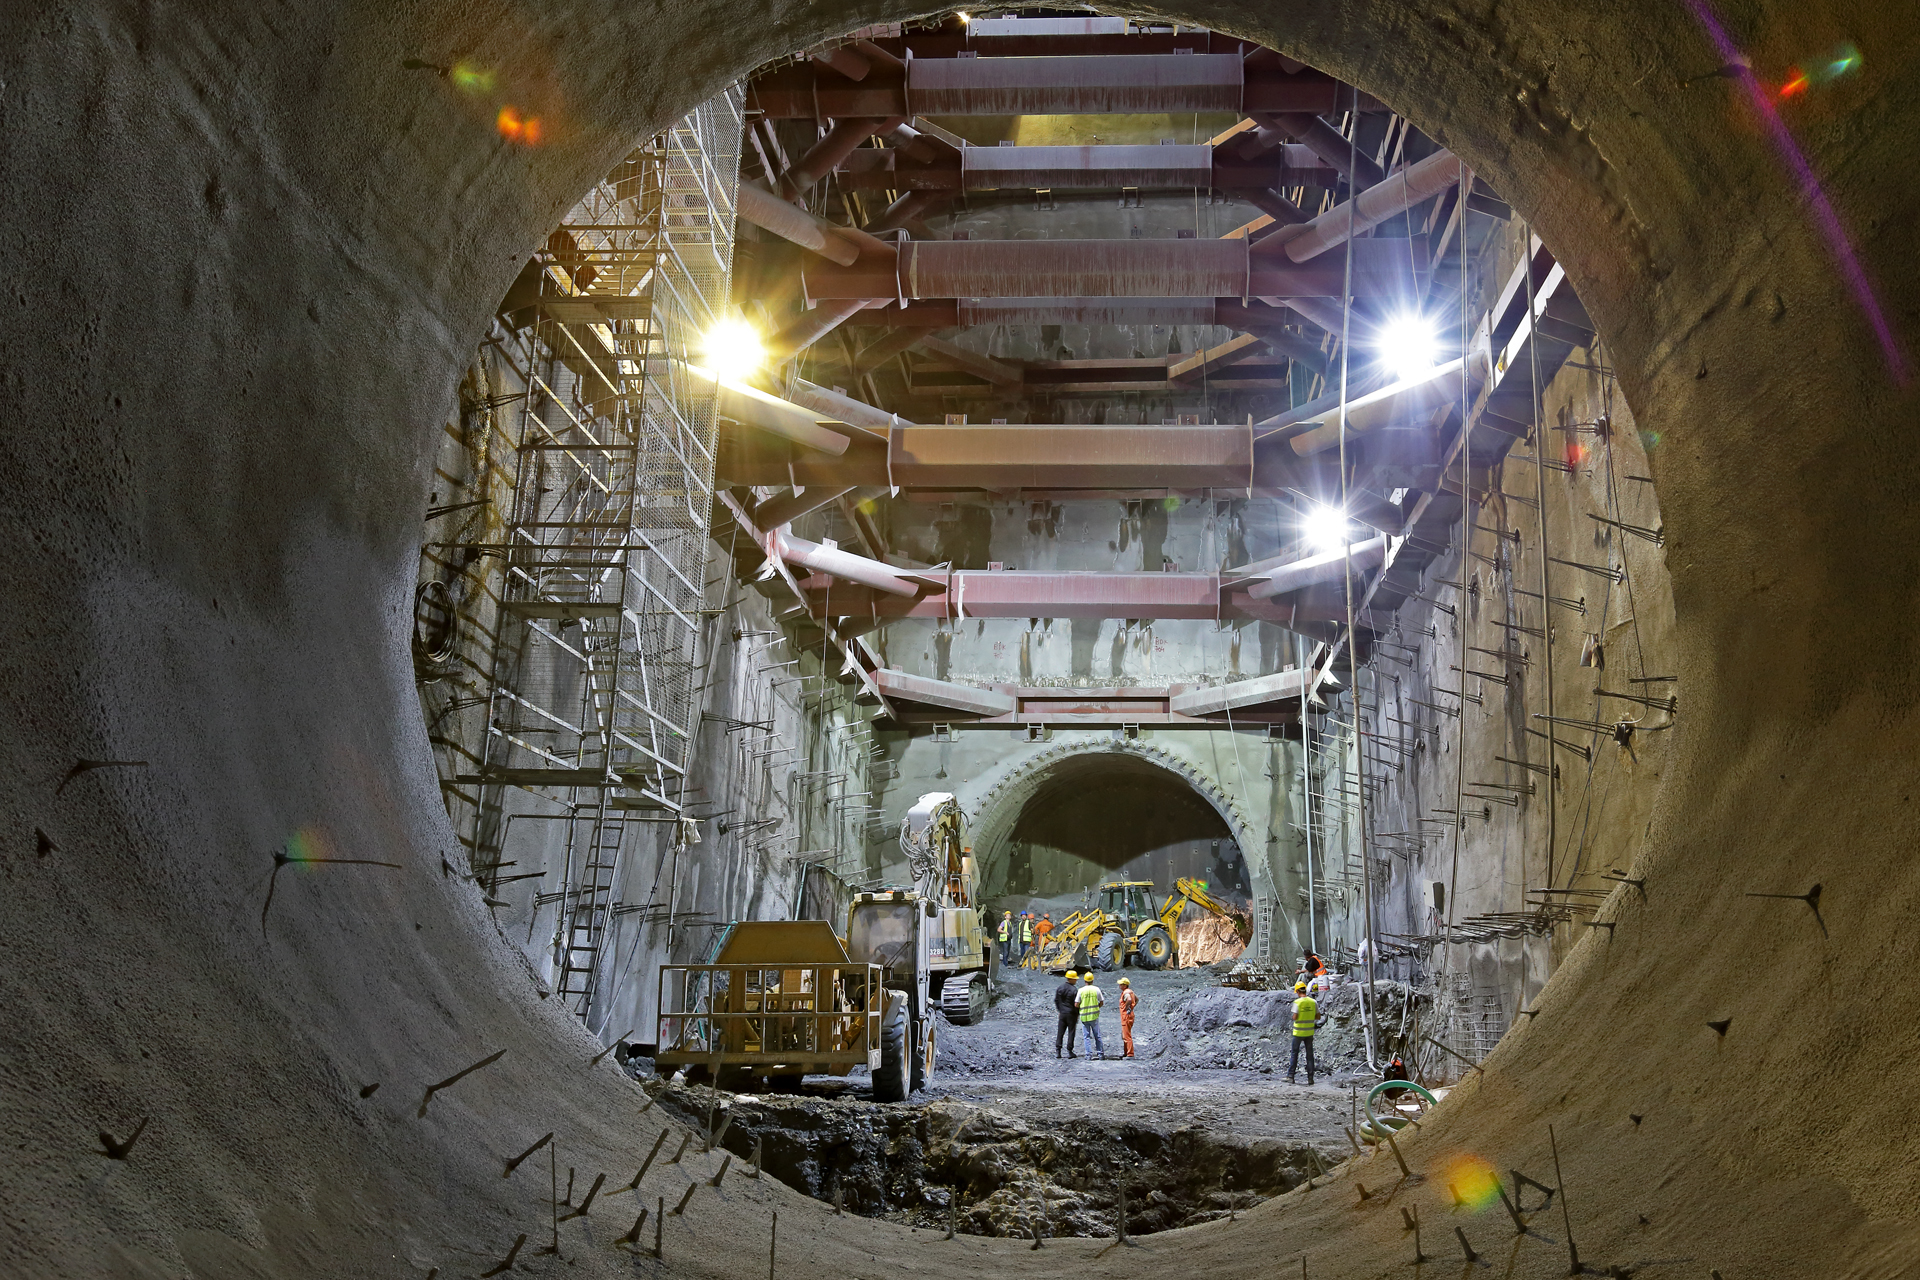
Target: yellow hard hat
x,y
1071,974
1299,986
1125,982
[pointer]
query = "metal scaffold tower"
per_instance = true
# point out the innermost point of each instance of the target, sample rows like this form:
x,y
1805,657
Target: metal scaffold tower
x,y
595,656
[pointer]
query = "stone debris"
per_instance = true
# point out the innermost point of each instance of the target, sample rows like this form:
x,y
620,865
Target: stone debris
x,y
908,1163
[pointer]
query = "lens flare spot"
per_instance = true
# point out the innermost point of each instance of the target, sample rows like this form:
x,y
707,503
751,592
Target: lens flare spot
x,y
1473,1181
471,79
515,127
308,844
1794,87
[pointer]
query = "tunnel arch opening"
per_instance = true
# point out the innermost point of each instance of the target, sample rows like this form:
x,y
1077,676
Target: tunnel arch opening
x,y
1630,155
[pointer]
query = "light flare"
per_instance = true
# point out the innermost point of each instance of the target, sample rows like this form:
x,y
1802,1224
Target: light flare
x,y
1824,216
1327,528
1473,1182
733,349
1409,345
515,127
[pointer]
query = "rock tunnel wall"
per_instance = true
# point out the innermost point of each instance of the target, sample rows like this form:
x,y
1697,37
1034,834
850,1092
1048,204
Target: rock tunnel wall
x,y
250,252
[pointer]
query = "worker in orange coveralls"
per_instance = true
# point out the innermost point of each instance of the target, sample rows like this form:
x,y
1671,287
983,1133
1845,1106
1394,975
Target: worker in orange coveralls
x,y
1129,1001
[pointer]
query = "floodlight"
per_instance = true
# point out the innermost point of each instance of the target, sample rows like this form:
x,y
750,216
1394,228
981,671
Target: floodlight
x,y
1326,527
1408,345
733,349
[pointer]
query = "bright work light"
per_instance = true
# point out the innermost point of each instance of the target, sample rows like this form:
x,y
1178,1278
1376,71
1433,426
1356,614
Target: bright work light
x,y
1407,345
1326,527
733,349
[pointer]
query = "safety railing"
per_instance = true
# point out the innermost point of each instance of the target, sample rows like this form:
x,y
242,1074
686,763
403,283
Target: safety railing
x,y
806,1014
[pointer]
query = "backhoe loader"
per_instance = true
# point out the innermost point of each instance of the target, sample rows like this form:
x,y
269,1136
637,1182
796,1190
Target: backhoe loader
x,y
1122,928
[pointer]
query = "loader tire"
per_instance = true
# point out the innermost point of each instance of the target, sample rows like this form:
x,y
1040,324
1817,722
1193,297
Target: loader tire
x,y
890,1082
1106,953
1156,949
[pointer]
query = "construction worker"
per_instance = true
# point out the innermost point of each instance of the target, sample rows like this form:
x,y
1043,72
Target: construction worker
x,y
1026,935
1306,1020
1041,930
1067,1006
1006,934
1129,1001
1090,999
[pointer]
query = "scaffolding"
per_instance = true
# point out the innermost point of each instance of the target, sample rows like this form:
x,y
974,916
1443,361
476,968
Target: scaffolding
x,y
592,696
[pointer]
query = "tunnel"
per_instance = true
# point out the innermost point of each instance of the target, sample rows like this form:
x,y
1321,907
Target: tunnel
x,y
261,1018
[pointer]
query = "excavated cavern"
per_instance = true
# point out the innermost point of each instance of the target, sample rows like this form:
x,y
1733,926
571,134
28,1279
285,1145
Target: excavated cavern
x,y
265,1015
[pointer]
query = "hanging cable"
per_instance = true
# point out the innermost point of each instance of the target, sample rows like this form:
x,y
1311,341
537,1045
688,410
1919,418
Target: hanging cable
x,y
1466,532
1546,589
1353,662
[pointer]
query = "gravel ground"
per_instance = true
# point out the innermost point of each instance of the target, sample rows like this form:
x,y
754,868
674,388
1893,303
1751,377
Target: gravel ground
x,y
1191,1066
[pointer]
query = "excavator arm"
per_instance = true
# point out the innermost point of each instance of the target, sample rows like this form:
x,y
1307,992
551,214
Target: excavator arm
x,y
1187,890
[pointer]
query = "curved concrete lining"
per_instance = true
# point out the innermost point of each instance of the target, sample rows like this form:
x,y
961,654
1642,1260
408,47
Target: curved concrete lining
x,y
248,251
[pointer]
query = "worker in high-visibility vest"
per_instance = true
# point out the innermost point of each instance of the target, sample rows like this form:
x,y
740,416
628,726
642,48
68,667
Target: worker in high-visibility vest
x,y
1306,1020
1090,999
1006,935
1026,934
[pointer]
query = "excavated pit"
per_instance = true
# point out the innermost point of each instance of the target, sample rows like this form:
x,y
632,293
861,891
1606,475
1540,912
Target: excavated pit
x,y
1010,1141
1005,1174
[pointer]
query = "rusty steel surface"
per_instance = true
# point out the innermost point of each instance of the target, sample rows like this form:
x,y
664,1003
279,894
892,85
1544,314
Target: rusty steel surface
x,y
1160,459
1122,84
1060,457
1395,194
989,168
1158,269
973,311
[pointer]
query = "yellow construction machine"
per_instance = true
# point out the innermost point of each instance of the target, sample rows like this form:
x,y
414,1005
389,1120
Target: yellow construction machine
x,y
1123,928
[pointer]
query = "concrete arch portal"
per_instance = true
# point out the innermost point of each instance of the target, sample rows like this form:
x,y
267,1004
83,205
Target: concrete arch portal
x,y
1001,803
252,248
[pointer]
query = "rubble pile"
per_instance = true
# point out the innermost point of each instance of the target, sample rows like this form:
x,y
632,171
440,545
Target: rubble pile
x,y
914,1164
1214,1028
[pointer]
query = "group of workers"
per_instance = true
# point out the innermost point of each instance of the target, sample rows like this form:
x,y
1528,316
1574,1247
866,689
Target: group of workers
x,y
1019,937
1078,1002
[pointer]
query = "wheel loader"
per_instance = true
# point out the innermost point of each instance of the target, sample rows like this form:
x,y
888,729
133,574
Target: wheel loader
x,y
1122,928
787,998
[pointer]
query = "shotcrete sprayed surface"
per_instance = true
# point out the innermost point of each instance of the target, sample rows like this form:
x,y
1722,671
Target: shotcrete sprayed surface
x,y
249,250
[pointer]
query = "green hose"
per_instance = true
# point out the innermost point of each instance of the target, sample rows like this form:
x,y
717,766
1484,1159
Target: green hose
x,y
1376,1127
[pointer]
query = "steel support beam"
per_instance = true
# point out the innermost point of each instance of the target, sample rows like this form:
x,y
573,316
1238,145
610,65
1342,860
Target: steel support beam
x,y
1118,84
1102,167
1157,269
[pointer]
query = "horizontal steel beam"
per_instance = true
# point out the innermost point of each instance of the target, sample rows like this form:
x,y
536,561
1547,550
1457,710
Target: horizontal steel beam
x,y
1098,707
1024,457
1024,594
1118,84
1088,167
1158,269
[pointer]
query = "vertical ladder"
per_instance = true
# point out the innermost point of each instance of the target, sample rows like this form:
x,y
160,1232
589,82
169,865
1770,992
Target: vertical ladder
x,y
588,909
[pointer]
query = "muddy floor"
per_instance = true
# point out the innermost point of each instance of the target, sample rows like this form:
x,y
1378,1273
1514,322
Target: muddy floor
x,y
1007,1139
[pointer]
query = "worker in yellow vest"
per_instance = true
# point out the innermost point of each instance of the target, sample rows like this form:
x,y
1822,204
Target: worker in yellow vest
x,y
1006,935
1306,1020
1026,934
1090,999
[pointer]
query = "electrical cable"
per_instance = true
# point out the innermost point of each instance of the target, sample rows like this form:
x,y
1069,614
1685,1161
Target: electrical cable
x,y
1353,663
1546,590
